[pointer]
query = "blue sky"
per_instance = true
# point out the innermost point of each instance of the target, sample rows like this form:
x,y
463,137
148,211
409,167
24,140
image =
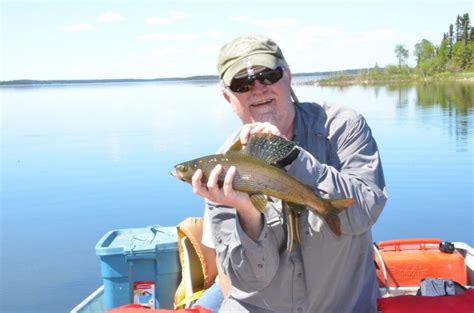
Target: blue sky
x,y
151,39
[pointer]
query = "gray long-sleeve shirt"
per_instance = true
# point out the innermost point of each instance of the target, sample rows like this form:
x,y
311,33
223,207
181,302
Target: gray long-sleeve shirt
x,y
325,274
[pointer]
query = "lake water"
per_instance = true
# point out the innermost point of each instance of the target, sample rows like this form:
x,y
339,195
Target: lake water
x,y
78,161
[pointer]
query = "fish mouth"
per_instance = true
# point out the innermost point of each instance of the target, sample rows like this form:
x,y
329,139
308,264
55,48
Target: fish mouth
x,y
176,174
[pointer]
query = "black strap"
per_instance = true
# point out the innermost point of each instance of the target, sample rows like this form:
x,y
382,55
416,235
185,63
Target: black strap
x,y
289,158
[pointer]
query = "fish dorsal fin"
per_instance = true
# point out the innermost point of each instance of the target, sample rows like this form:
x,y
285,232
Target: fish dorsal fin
x,y
259,201
268,148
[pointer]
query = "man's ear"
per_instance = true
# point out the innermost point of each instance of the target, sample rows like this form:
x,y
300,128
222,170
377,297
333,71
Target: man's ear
x,y
288,72
225,92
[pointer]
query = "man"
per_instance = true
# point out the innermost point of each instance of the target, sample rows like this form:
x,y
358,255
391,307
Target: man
x,y
338,158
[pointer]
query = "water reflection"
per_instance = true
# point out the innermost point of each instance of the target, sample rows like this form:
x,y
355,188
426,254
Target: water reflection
x,y
453,97
452,101
401,92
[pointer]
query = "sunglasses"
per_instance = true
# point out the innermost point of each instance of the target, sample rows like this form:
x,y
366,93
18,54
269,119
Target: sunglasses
x,y
266,77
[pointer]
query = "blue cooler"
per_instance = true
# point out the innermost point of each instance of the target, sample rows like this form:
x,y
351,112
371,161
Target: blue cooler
x,y
139,264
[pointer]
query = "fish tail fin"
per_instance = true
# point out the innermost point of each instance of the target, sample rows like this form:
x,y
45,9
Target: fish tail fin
x,y
331,215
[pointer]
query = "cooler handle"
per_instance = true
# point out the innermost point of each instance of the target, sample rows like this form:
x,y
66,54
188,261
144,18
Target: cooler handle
x,y
410,241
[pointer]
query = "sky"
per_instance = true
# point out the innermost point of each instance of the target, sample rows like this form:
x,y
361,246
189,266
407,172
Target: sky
x,y
105,39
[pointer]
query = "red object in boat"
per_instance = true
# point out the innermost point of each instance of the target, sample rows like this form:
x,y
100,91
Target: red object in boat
x,y
408,261
462,303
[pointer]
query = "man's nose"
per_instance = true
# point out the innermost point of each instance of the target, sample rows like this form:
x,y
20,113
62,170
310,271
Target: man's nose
x,y
258,87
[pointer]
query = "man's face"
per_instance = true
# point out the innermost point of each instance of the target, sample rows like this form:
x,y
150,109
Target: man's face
x,y
264,103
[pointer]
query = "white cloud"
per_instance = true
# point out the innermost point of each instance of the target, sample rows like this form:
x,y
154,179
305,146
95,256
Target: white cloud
x,y
307,38
179,15
168,37
283,22
322,31
172,17
215,34
211,49
375,35
110,17
164,52
275,23
240,19
159,21
76,27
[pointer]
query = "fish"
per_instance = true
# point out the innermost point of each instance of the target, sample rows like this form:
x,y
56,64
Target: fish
x,y
259,175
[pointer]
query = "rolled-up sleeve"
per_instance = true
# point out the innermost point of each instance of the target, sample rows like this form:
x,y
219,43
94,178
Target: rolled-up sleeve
x,y
353,170
251,265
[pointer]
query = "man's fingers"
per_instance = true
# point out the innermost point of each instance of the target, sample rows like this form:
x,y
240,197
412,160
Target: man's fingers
x,y
265,128
196,182
245,133
228,181
212,182
257,128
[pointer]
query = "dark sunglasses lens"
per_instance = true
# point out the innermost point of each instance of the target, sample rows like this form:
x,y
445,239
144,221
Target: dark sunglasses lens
x,y
243,84
270,77
266,77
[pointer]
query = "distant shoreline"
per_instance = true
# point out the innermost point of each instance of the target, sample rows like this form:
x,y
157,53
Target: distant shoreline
x,y
35,82
381,78
210,78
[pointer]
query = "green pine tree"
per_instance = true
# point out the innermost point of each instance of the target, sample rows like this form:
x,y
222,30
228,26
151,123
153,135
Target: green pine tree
x,y
401,53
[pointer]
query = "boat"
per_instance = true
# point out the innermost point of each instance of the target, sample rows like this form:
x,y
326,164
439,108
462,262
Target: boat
x,y
131,257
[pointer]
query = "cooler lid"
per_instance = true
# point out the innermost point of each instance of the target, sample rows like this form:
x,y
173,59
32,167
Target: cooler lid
x,y
137,241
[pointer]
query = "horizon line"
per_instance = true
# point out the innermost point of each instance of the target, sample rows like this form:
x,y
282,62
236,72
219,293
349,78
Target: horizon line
x,y
195,77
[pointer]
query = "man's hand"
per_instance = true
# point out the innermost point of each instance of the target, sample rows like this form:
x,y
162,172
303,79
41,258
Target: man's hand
x,y
250,218
225,195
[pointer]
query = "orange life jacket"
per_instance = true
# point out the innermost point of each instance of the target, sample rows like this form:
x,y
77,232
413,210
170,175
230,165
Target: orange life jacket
x,y
200,258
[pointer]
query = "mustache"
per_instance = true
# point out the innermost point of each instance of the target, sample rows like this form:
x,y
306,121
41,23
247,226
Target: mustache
x,y
261,98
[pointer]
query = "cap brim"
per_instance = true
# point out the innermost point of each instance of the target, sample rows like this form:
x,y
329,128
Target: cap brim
x,y
266,60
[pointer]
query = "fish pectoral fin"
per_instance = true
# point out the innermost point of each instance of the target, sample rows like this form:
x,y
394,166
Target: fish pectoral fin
x,y
236,146
259,201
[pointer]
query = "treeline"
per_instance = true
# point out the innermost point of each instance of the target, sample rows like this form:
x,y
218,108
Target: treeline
x,y
454,54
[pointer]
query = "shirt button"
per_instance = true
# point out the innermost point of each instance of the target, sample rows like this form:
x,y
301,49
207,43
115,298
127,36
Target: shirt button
x,y
219,240
260,265
307,232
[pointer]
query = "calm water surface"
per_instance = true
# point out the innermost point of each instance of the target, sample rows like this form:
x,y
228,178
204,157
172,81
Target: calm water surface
x,y
78,161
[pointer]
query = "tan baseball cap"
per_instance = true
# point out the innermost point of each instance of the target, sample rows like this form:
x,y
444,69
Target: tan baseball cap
x,y
247,51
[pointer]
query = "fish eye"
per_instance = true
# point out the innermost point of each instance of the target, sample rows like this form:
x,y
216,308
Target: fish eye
x,y
182,168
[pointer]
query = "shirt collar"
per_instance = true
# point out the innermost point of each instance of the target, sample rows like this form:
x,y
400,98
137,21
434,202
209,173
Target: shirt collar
x,y
308,118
